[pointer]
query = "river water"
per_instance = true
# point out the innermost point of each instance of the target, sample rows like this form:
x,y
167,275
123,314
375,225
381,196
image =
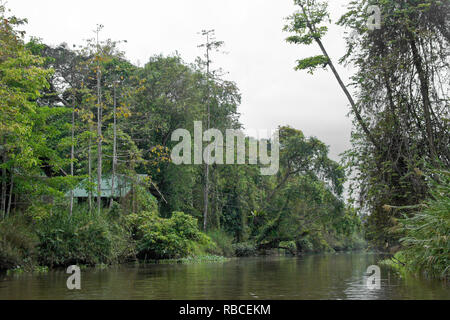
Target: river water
x,y
336,276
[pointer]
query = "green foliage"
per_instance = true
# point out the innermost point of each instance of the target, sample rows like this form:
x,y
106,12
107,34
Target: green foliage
x,y
289,246
318,242
245,249
307,22
223,241
202,259
21,80
17,244
305,206
43,89
305,245
307,26
403,104
312,63
426,244
144,200
160,238
81,239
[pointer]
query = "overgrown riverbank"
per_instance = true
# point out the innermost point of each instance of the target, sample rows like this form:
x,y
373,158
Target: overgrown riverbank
x,y
98,164
52,239
426,233
57,239
95,128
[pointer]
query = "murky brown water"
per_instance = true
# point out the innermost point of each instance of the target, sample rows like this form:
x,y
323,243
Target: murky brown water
x,y
339,276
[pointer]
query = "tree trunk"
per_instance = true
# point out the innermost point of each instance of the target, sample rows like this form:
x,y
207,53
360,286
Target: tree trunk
x,y
72,158
342,85
208,124
114,162
349,97
99,144
4,188
424,90
90,168
11,188
206,199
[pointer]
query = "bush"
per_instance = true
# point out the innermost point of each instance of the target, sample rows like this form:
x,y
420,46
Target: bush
x,y
345,242
145,201
81,239
304,245
289,246
427,232
223,241
319,241
174,238
355,242
17,244
245,249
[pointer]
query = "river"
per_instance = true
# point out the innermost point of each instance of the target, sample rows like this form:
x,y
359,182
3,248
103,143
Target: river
x,y
333,276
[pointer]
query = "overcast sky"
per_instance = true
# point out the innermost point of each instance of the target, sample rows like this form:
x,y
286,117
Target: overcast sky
x,y
258,59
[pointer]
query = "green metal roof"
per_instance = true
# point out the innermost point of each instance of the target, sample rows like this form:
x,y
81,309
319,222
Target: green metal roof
x,y
122,186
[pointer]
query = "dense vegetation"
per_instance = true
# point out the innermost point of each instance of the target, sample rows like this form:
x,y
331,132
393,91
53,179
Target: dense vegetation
x,y
89,114
421,252
401,110
74,116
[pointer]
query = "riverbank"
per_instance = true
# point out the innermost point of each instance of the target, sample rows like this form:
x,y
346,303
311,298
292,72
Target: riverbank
x,y
188,260
43,239
399,263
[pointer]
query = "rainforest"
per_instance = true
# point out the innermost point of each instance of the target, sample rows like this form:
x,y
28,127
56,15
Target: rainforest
x,y
87,137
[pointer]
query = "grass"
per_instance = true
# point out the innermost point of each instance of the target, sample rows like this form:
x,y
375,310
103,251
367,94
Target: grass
x,y
426,241
427,232
21,270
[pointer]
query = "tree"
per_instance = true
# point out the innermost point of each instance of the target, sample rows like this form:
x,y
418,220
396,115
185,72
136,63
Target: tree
x,y
308,184
211,44
99,124
171,94
402,89
308,26
23,121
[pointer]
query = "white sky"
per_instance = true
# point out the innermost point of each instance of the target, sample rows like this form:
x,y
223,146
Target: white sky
x,y
258,59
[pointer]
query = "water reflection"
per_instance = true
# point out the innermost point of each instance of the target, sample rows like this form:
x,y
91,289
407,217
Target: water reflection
x,y
340,276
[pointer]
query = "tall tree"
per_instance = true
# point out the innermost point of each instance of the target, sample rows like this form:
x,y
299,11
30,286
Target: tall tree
x,y
22,78
402,83
211,44
114,160
99,124
309,25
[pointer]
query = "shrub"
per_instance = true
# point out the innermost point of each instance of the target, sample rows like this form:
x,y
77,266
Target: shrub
x,y
304,245
356,242
318,242
145,201
427,232
223,241
244,249
289,246
345,242
81,239
174,238
17,244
